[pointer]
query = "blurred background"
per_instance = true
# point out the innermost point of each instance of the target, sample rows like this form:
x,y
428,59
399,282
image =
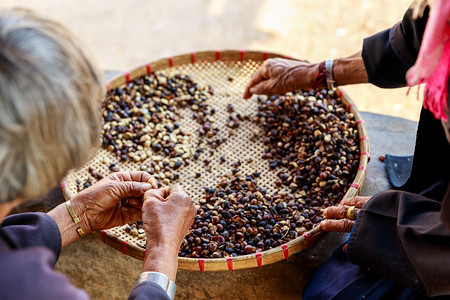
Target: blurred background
x,y
121,35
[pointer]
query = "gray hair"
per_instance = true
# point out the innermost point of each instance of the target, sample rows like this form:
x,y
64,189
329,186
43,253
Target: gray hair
x,y
50,109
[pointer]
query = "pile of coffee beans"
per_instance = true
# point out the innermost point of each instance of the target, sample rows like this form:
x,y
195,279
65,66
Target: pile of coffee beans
x,y
311,141
239,217
140,121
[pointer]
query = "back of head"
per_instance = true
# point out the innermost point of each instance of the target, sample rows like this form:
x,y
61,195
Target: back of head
x,y
49,98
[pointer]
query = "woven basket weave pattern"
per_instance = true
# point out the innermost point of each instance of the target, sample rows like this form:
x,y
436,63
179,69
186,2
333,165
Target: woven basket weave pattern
x,y
228,72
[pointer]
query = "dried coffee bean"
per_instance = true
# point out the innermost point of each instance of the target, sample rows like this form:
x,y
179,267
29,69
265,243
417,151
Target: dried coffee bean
x,y
144,114
311,144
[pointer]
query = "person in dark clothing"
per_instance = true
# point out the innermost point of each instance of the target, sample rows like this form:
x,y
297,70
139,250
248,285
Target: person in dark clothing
x,y
399,246
49,124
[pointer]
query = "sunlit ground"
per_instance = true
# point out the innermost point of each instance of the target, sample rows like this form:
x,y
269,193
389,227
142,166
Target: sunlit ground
x,y
122,35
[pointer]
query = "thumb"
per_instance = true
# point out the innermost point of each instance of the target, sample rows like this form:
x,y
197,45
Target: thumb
x,y
247,93
154,194
177,189
261,88
258,89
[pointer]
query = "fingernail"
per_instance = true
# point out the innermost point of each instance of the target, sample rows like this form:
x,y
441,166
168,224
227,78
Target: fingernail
x,y
252,90
322,223
146,186
342,201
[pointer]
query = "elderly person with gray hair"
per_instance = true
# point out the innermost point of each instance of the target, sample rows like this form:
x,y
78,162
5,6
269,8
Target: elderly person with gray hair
x,y
49,124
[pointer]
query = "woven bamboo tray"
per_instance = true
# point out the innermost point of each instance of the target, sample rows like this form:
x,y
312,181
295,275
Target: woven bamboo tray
x,y
228,72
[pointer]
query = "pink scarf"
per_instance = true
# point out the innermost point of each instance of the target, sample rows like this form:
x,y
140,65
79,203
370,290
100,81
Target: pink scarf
x,y
433,63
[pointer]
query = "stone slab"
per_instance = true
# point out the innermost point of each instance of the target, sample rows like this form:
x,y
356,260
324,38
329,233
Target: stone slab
x,y
388,135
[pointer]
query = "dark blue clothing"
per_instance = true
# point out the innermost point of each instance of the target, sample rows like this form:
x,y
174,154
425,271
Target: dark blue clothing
x,y
30,244
340,279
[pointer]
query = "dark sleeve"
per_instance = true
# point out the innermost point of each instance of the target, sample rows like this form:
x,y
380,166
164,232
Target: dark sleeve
x,y
28,274
400,235
389,54
148,290
33,229
445,211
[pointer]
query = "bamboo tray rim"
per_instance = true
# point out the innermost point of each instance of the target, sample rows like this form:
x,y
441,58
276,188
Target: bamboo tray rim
x,y
243,261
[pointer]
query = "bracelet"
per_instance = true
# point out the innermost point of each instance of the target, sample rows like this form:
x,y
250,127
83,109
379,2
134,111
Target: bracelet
x,y
329,74
74,218
160,279
320,78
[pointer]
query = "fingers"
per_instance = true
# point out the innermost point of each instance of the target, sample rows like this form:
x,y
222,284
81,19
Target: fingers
x,y
257,77
177,189
177,194
335,212
138,176
173,198
173,190
355,201
265,87
135,202
340,212
165,193
129,188
130,213
344,214
152,195
342,225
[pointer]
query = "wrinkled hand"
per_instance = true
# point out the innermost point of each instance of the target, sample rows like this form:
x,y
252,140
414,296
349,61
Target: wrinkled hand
x,y
167,215
115,200
277,76
337,216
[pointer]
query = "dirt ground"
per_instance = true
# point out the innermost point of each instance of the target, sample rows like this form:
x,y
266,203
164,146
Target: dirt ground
x,y
121,35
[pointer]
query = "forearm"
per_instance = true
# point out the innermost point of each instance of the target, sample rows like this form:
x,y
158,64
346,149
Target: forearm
x,y
167,214
349,70
163,260
66,225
